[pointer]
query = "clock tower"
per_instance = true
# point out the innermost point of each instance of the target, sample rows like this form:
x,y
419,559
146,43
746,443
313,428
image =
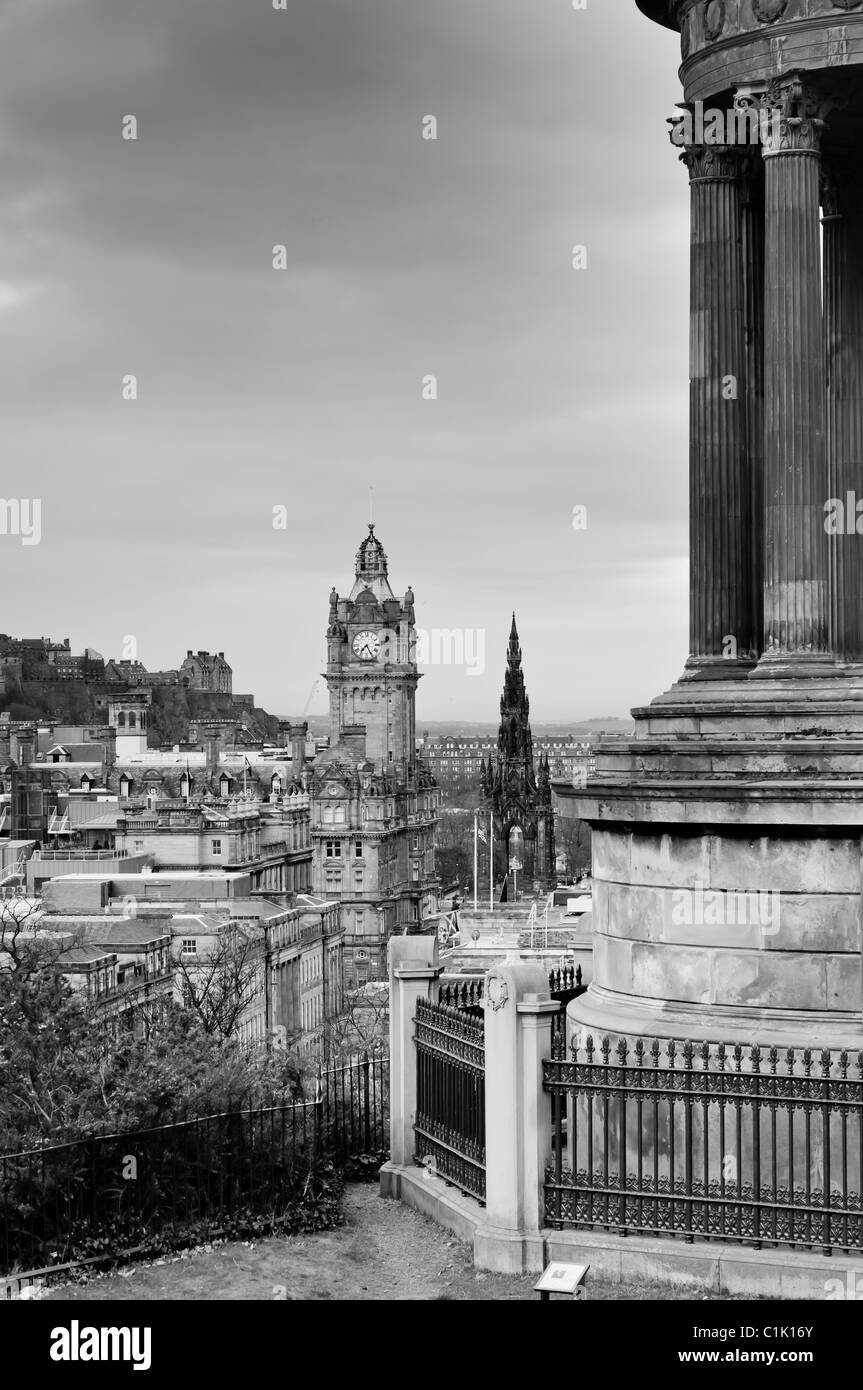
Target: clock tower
x,y
374,803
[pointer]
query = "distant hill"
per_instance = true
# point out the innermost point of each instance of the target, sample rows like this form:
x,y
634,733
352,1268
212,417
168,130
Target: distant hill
x,y
580,728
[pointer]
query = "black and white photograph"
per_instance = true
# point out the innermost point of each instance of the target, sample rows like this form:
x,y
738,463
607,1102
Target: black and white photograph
x,y
431,678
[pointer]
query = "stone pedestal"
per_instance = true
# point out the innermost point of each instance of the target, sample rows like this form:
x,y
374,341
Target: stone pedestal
x,y
727,867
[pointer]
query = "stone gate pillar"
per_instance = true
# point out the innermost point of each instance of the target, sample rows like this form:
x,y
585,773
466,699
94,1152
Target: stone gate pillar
x,y
796,598
721,606
518,1014
413,974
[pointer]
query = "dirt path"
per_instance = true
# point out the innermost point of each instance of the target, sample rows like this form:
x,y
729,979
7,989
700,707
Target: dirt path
x,y
384,1252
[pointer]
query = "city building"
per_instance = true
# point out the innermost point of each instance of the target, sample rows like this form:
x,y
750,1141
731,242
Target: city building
x,y
455,760
204,671
251,968
373,800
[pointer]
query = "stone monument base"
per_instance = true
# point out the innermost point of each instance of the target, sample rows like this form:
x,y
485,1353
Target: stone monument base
x,y
727,864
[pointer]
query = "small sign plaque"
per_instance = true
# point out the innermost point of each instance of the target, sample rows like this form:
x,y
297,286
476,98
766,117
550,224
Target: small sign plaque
x,y
562,1278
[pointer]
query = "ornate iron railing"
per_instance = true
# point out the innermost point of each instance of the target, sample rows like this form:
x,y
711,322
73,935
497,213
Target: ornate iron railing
x,y
450,1115
708,1142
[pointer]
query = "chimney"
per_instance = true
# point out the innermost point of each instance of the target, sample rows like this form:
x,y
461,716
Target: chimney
x,y
211,748
109,756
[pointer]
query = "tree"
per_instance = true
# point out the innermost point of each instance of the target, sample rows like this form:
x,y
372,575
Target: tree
x,y
362,1023
18,919
221,985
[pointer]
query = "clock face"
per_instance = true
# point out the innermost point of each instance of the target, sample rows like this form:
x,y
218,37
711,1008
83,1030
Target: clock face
x,y
366,645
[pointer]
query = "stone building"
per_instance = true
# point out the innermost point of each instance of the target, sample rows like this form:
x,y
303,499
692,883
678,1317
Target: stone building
x,y
374,803
516,792
455,760
135,936
204,671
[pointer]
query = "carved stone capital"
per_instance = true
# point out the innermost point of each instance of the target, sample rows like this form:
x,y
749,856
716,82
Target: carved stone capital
x,y
795,116
713,163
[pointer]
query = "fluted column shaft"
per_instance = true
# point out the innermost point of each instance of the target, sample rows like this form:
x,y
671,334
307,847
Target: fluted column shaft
x,y
796,601
843,340
753,329
719,498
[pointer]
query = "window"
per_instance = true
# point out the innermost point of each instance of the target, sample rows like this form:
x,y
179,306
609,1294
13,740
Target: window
x,y
217,847
189,946
416,873
334,849
131,719
358,849
416,841
138,846
358,878
390,755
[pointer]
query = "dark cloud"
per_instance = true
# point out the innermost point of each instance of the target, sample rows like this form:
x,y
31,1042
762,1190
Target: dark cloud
x,y
405,258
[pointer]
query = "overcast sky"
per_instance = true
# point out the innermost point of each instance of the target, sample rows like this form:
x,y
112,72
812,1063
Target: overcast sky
x,y
302,387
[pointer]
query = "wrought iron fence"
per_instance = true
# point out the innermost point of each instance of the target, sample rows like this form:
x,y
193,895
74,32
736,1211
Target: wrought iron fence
x,y
708,1142
450,1115
177,1184
355,1101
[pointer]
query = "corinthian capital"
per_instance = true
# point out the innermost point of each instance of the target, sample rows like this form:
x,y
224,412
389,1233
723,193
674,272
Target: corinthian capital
x,y
712,163
793,116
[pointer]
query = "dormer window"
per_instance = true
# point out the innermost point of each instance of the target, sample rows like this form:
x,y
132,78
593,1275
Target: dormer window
x,y
225,783
185,785
125,785
276,785
86,783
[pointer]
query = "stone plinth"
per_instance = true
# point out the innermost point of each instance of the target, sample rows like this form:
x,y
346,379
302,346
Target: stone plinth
x,y
727,867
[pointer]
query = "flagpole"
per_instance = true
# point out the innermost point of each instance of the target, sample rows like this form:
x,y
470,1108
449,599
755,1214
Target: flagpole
x,y
491,860
475,858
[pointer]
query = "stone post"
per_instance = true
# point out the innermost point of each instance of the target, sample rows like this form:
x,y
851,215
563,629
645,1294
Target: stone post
x,y
413,973
721,635
796,597
518,1013
843,341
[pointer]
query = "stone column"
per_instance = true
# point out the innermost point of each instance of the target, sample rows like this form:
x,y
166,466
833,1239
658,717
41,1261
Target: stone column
x,y
796,600
843,340
721,636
